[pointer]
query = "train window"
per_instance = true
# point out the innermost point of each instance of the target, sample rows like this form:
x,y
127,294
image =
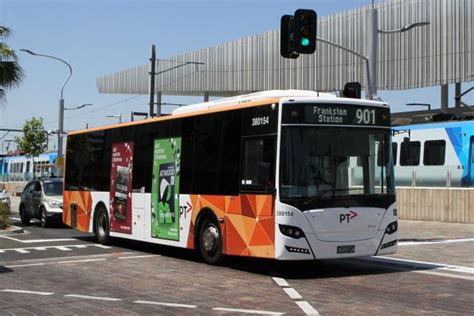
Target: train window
x,y
410,153
434,153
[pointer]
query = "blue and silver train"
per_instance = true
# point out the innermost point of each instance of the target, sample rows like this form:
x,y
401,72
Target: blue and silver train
x,y
434,154
20,168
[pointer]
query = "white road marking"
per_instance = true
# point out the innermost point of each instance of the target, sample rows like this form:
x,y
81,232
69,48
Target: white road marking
x,y
99,298
102,246
40,248
449,275
20,250
85,260
138,257
62,248
245,311
80,246
434,242
2,251
307,308
281,282
422,264
27,292
32,241
26,265
165,304
292,293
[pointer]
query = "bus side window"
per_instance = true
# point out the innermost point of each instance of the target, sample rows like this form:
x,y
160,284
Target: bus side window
x,y
258,164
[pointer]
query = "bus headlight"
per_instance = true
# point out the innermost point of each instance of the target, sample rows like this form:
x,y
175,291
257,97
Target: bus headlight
x,y
291,231
391,228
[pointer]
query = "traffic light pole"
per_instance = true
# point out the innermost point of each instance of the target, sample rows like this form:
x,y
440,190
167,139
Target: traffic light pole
x,y
369,83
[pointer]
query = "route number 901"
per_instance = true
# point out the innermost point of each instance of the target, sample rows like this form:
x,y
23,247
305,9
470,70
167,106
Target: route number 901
x,y
365,116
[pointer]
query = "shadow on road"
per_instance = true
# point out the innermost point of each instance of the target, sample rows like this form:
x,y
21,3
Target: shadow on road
x,y
5,270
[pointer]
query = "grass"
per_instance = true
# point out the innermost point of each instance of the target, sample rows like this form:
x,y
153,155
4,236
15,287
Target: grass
x,y
3,216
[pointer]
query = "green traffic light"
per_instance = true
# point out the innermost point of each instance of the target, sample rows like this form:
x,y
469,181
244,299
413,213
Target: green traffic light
x,y
304,41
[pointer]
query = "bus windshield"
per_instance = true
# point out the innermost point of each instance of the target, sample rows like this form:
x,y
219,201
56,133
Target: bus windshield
x,y
331,163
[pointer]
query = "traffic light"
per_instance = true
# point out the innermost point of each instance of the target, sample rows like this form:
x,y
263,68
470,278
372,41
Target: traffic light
x,y
298,33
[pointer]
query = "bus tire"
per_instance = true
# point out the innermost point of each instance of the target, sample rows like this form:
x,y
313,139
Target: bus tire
x,y
102,226
25,219
210,241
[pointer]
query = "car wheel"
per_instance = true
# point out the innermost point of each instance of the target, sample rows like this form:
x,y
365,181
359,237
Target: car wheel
x,y
43,218
102,227
25,219
210,242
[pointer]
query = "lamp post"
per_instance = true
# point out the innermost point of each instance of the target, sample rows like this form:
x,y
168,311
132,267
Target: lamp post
x,y
119,116
61,100
372,44
78,107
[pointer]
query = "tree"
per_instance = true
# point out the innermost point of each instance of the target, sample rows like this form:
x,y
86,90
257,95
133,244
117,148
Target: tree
x,y
33,141
11,72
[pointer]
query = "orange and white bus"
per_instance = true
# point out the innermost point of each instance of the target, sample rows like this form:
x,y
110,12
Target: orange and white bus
x,y
289,175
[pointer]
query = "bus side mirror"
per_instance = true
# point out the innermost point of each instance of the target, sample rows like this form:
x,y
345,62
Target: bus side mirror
x,y
352,90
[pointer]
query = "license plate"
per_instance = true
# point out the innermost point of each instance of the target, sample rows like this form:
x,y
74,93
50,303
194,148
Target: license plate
x,y
346,249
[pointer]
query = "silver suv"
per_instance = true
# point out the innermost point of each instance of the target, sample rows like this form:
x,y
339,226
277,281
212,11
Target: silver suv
x,y
42,199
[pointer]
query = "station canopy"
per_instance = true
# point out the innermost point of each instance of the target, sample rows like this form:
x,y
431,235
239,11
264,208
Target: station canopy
x,y
437,54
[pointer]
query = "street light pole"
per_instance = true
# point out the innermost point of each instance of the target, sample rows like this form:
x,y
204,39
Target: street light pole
x,y
61,100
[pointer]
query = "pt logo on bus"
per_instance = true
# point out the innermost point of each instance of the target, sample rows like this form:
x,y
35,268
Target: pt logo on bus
x,y
347,216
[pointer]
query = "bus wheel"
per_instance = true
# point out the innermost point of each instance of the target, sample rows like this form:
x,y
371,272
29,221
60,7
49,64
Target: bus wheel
x,y
102,227
210,242
25,219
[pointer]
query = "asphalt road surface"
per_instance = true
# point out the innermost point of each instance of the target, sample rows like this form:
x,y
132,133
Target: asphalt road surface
x,y
60,271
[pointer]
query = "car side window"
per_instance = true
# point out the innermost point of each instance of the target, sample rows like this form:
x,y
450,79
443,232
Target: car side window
x,y
37,187
28,189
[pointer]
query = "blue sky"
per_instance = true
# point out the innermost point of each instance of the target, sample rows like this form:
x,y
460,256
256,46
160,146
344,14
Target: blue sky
x,y
100,37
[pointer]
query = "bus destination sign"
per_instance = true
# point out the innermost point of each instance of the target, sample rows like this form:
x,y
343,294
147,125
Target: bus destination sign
x,y
335,114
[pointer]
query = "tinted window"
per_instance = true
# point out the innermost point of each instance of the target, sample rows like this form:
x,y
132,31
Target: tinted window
x,y
410,153
52,188
434,152
258,164
394,153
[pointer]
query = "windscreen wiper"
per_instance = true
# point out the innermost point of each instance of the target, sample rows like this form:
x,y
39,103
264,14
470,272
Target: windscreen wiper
x,y
323,192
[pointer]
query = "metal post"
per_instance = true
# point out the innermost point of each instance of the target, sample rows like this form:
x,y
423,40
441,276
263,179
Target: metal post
x,y
61,127
158,103
152,79
372,48
444,98
457,95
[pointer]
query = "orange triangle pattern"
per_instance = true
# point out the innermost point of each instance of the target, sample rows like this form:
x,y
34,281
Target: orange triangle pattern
x,y
83,200
249,225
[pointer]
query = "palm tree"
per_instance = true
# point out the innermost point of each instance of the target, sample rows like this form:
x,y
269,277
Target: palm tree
x,y
11,73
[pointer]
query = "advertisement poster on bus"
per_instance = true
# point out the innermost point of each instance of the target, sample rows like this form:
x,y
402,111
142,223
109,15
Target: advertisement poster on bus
x,y
165,188
121,188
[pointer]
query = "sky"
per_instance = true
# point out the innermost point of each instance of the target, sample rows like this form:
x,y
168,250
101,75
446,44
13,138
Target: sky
x,y
104,36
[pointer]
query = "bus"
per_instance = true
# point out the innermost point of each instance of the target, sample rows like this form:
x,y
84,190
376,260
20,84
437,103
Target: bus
x,y
282,174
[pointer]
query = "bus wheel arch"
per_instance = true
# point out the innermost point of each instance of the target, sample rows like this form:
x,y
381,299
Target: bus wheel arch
x,y
208,237
101,224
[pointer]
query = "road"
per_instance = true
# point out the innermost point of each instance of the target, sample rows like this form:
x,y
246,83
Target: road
x,y
58,270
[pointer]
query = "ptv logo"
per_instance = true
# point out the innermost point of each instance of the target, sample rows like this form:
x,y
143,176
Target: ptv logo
x,y
347,217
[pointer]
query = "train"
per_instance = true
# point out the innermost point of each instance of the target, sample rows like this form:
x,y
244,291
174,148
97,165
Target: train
x,y
20,168
438,154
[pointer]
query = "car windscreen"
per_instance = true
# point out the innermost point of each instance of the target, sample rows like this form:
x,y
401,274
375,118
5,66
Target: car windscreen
x,y
53,188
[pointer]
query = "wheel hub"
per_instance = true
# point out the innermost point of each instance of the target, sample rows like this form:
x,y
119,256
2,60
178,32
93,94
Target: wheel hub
x,y
210,238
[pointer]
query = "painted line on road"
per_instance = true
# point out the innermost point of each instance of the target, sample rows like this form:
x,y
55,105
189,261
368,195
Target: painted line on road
x,y
294,295
60,247
26,265
434,242
245,311
280,282
85,260
138,257
421,264
32,241
27,292
102,246
165,304
89,297
19,250
449,275
307,308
